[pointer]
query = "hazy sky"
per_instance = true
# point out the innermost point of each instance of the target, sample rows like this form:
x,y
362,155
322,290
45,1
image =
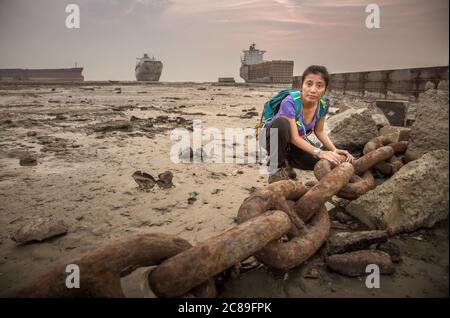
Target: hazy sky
x,y
201,40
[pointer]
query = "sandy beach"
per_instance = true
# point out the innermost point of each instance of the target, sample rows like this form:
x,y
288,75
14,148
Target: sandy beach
x,y
84,177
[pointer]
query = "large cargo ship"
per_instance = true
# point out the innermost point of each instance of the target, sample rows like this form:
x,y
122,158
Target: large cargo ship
x,y
148,69
61,74
255,70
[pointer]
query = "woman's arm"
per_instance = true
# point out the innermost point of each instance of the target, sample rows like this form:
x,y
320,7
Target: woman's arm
x,y
319,131
305,146
325,139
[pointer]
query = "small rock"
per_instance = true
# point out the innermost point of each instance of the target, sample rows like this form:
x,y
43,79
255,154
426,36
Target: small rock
x,y
236,172
123,125
29,160
249,115
165,180
189,228
144,180
38,230
354,264
192,197
313,273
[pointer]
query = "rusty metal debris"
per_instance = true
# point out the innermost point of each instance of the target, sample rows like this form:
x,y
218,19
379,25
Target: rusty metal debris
x,y
356,186
181,273
102,268
282,226
391,165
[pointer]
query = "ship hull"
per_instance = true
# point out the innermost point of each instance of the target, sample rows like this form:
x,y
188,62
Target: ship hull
x,y
149,71
268,72
62,74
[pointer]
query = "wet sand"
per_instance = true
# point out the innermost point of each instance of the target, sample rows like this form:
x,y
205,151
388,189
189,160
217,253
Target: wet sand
x,y
84,176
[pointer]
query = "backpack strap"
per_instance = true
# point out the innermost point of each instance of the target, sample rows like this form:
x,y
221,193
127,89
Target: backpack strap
x,y
296,97
324,104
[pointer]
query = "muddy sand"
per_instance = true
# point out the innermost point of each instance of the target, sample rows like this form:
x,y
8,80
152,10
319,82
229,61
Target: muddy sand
x,y
90,138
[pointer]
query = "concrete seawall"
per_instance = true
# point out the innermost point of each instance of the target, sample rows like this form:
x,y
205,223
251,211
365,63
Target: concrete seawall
x,y
404,84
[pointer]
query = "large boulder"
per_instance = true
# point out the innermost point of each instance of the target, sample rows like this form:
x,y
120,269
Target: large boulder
x,y
416,196
352,129
430,129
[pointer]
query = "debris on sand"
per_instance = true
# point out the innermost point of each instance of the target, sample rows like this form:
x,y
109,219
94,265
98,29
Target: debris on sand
x,y
122,125
29,160
351,241
192,197
144,180
39,230
354,264
165,180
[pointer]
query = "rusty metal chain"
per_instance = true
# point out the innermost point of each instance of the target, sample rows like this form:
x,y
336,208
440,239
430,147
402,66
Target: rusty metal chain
x,y
284,209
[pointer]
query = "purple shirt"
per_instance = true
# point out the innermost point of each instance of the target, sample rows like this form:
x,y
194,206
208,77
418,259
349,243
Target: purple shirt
x,y
287,109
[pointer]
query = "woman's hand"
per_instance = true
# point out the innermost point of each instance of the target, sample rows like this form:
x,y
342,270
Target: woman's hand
x,y
348,156
330,156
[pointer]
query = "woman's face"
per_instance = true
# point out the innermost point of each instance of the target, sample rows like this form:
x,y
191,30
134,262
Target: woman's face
x,y
313,88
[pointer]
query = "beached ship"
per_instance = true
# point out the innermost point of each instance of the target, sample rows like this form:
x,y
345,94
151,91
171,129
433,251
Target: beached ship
x,y
255,70
148,69
60,74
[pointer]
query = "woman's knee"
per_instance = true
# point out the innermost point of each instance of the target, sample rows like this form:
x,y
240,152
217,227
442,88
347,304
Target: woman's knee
x,y
283,126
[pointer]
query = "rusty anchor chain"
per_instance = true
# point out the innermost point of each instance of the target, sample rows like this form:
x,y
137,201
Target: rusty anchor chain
x,y
282,225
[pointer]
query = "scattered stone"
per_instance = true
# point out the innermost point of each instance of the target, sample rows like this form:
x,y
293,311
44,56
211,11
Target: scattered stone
x,y
192,197
144,180
236,172
392,249
249,115
189,228
313,273
39,230
60,117
223,115
29,160
31,133
354,264
416,196
122,125
351,241
430,130
165,180
201,89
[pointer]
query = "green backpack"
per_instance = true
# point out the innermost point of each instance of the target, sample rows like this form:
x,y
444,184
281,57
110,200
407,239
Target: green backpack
x,y
272,106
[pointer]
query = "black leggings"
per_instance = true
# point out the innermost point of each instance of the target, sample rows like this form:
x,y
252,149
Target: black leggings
x,y
285,151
